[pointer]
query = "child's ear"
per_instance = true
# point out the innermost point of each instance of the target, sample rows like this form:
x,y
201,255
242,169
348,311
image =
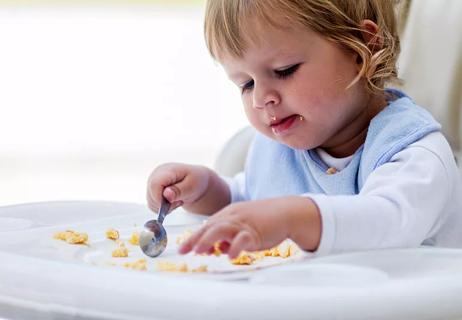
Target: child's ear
x,y
371,37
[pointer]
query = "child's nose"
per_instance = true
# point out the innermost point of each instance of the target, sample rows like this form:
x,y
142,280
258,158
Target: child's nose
x,y
264,96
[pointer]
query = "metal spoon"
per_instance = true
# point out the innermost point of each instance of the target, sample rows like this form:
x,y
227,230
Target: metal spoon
x,y
153,239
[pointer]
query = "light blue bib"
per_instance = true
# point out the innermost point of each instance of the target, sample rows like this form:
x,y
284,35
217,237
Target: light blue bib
x,y
274,169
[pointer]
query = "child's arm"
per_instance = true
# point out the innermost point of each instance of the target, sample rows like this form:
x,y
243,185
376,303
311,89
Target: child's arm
x,y
198,189
260,224
413,198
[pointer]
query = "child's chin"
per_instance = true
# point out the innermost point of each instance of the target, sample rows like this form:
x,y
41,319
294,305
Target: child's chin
x,y
291,142
299,145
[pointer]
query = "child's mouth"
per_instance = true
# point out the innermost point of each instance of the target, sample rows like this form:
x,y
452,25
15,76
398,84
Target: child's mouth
x,y
284,125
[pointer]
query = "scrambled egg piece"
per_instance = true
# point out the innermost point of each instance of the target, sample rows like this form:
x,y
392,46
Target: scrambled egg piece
x,y
134,239
137,265
284,250
287,249
184,236
201,268
171,266
112,234
121,251
245,258
216,249
180,267
72,237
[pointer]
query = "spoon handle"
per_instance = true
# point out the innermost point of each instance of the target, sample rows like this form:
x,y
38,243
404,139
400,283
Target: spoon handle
x,y
163,210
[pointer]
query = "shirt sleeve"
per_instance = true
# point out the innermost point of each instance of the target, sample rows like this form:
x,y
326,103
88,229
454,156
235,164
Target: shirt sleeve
x,y
236,186
400,205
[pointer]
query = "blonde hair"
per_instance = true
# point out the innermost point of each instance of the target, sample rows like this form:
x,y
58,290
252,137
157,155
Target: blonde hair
x,y
338,20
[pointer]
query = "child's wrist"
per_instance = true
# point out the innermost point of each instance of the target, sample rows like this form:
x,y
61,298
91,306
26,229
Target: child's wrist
x,y
215,196
305,224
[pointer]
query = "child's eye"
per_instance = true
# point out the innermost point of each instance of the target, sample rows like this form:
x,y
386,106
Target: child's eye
x,y
247,86
284,73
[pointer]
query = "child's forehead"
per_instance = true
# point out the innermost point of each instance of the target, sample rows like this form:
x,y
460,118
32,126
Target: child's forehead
x,y
264,53
253,28
233,29
258,33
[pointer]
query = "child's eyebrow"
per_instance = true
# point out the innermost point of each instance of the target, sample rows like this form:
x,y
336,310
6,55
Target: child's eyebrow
x,y
239,80
235,75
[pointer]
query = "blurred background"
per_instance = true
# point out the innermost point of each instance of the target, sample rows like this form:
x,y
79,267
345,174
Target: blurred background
x,y
95,94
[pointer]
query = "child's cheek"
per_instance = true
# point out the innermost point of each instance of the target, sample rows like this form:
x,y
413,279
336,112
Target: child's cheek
x,y
255,116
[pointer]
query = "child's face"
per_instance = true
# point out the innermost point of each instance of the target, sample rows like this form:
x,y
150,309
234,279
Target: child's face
x,y
299,78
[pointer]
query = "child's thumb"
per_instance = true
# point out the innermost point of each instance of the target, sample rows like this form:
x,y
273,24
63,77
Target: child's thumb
x,y
183,191
172,193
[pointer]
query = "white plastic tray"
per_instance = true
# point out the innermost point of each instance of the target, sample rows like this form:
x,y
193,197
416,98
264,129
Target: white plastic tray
x,y
43,278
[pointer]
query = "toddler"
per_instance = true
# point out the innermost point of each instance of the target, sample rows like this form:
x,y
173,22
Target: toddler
x,y
339,162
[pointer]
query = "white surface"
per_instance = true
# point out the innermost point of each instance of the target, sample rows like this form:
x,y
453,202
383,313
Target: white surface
x,y
95,95
69,71
43,279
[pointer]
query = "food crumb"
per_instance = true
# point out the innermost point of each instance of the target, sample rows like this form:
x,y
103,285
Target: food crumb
x,y
331,170
139,264
201,268
245,258
284,250
72,237
112,234
134,239
169,266
184,236
121,251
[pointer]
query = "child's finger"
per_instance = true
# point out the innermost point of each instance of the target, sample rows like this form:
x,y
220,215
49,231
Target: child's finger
x,y
216,233
154,195
162,182
189,244
183,190
151,203
242,241
224,246
172,193
155,207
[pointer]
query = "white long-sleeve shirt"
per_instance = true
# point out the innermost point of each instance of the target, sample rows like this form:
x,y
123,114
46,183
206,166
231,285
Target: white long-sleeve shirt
x,y
415,198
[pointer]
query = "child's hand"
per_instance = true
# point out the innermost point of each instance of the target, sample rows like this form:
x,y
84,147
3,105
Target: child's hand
x,y
197,188
179,183
258,225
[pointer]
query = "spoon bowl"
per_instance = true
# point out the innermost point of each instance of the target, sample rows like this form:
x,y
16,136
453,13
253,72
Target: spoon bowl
x,y
153,238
